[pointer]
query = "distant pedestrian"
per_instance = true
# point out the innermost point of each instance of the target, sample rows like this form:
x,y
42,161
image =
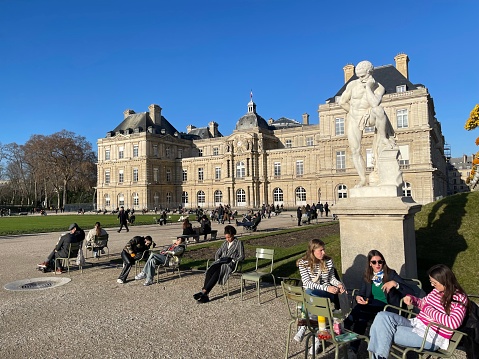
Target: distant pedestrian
x,y
123,217
299,214
326,208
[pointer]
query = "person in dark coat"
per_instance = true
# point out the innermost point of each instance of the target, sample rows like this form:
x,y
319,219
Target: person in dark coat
x,y
299,214
123,217
75,235
326,208
133,250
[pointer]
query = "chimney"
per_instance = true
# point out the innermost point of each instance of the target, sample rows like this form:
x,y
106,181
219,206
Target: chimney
x,y
401,64
270,121
305,119
127,113
155,113
464,158
213,127
189,128
348,72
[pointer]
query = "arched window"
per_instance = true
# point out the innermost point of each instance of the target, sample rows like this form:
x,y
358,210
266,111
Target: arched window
x,y
184,197
240,169
342,191
407,189
136,199
300,195
168,197
278,195
241,197
218,196
121,200
201,197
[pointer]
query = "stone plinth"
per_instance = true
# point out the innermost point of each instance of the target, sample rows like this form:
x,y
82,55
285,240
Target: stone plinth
x,y
376,222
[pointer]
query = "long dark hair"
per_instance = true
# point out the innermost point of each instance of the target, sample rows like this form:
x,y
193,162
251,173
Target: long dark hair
x,y
444,275
311,259
368,273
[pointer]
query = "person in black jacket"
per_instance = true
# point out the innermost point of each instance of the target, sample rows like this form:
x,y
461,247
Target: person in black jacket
x,y
133,250
381,285
75,235
123,217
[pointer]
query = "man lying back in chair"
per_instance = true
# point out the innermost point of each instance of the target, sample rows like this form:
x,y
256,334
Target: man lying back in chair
x,y
155,259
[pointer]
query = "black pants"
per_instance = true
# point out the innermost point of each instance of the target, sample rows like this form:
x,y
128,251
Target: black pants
x,y
128,261
123,224
358,320
211,277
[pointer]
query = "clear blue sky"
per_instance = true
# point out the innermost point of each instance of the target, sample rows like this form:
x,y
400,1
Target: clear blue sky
x,y
78,64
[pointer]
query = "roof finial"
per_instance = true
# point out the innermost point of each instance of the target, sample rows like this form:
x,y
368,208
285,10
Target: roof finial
x,y
251,95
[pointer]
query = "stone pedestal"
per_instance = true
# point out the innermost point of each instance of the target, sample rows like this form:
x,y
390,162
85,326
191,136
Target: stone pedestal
x,y
371,219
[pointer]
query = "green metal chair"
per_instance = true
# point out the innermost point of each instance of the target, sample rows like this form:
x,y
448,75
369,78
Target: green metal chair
x,y
293,297
73,249
317,306
262,256
100,243
400,352
236,271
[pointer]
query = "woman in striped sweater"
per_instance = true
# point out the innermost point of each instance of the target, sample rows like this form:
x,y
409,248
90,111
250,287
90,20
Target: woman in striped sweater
x,y
446,304
317,274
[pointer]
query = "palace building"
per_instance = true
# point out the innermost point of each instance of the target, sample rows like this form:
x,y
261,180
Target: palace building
x,y
145,162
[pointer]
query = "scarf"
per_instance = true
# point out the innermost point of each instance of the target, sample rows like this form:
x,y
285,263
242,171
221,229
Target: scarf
x,y
378,278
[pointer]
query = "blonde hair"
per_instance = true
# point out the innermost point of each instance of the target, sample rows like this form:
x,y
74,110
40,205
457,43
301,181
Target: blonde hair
x,y
310,257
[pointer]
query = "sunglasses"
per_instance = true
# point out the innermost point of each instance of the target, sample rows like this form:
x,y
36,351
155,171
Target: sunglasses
x,y
377,262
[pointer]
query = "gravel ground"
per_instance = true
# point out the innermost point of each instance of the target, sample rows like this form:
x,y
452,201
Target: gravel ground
x,y
94,317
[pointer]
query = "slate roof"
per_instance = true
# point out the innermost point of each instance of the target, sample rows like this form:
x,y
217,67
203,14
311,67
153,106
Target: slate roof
x,y
386,75
142,121
202,133
284,122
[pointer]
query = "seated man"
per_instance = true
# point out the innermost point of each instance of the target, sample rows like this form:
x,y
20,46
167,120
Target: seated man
x,y
163,258
75,235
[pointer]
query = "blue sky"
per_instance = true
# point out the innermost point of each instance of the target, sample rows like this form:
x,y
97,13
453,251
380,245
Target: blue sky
x,y
78,64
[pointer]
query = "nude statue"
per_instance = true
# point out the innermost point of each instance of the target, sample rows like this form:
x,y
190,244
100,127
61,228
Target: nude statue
x,y
361,99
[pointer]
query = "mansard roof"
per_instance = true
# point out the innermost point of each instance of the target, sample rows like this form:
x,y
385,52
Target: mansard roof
x,y
284,122
202,133
386,75
142,121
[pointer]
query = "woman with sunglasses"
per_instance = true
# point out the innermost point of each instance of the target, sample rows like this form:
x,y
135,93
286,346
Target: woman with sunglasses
x,y
381,285
446,304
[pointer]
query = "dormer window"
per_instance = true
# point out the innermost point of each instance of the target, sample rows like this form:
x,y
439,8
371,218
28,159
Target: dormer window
x,y
401,88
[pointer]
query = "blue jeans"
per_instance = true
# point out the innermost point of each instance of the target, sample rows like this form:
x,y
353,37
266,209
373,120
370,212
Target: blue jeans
x,y
391,327
151,263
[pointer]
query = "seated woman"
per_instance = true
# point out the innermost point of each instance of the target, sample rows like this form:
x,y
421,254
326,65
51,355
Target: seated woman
x,y
230,252
93,245
381,285
317,274
205,226
187,227
446,304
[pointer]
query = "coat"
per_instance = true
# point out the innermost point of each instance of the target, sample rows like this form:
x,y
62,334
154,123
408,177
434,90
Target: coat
x,y
235,252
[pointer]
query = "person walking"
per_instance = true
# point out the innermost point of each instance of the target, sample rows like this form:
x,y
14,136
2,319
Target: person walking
x,y
326,208
123,218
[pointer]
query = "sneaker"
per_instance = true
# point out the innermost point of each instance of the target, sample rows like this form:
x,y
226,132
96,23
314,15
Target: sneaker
x,y
300,334
118,231
317,346
148,282
203,299
197,295
352,354
59,271
120,281
140,276
43,265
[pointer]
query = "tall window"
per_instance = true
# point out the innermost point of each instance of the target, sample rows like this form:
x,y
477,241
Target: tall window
x,y
135,174
241,197
299,168
107,154
156,175
406,189
107,200
218,196
300,194
201,197
215,151
107,176
121,200
200,152
217,173
339,126
155,150
136,199
240,169
180,153
402,118
121,152
184,197
404,156
200,174
168,197
185,175
120,176
340,160
168,152
135,150
168,175
289,144
156,198
342,191
309,141
277,169
278,195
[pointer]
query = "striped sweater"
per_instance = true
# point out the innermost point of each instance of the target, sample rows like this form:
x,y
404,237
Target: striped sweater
x,y
324,279
433,311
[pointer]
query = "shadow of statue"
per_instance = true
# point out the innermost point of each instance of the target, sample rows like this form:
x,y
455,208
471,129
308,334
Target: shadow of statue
x,y
353,275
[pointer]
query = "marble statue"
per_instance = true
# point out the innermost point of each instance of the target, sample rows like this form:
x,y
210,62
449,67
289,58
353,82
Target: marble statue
x,y
362,101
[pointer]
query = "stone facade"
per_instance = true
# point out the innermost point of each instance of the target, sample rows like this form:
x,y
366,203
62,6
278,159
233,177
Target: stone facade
x,y
146,163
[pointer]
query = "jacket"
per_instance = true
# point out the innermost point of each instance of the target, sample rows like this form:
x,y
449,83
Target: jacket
x,y
235,252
